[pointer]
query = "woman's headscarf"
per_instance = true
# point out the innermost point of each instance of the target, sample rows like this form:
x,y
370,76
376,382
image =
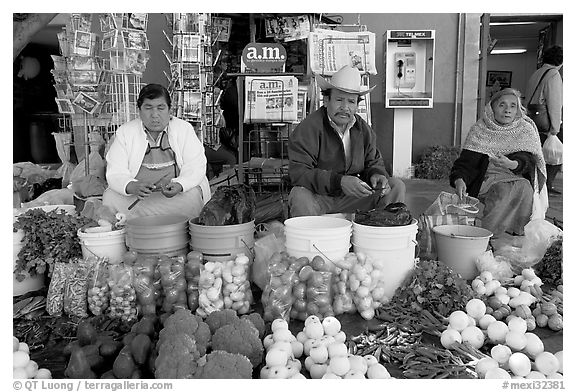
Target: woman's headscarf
x,y
489,137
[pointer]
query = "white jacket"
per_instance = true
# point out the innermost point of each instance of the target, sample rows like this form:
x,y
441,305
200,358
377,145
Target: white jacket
x,y
127,151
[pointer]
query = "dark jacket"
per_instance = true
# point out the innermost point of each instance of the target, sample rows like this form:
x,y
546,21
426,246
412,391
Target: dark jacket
x,y
316,152
471,167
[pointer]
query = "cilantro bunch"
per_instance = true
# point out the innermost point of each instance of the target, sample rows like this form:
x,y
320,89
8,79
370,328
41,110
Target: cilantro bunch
x,y
435,287
549,269
49,237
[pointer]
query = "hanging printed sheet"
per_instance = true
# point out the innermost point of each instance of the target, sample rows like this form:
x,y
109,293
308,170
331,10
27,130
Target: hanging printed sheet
x,y
270,99
330,50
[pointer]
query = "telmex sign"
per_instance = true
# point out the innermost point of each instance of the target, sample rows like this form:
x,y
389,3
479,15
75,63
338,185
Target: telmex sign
x,y
264,56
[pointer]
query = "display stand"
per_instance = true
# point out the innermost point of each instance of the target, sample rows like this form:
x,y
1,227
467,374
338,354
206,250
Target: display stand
x,y
191,79
277,133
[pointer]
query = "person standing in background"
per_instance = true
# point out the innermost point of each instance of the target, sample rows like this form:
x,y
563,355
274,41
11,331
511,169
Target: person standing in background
x,y
545,87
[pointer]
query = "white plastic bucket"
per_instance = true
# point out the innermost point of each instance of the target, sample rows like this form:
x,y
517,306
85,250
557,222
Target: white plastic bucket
x,y
30,283
221,243
391,247
109,244
309,236
458,247
158,234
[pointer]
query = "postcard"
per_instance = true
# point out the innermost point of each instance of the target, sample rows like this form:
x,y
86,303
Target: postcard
x,y
86,103
64,106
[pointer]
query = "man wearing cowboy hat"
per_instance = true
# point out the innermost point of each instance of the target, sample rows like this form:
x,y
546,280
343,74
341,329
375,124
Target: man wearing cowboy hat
x,y
335,165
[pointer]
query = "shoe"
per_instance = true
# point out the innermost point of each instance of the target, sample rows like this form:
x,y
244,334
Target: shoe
x,y
553,191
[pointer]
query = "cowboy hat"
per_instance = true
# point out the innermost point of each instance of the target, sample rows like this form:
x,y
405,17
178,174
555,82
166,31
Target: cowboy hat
x,y
347,79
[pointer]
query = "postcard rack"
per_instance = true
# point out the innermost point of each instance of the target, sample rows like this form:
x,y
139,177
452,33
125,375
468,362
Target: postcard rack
x,y
191,79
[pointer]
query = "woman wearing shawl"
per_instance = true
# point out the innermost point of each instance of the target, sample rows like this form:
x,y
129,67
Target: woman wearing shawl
x,y
501,164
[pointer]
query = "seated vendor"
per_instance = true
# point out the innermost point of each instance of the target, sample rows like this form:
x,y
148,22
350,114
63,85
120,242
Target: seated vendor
x,y
158,160
335,165
502,164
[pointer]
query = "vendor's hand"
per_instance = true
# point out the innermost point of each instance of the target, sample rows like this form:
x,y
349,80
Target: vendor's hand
x,y
172,189
460,186
142,189
503,161
380,181
353,186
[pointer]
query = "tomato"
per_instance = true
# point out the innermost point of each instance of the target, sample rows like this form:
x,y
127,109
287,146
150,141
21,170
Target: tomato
x,y
130,257
299,291
305,273
318,263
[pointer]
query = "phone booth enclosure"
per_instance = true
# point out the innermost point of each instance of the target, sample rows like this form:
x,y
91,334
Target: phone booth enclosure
x,y
409,68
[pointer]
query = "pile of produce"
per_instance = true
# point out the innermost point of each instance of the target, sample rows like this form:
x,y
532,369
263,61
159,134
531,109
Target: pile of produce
x,y
394,214
549,269
229,205
322,345
183,346
49,237
29,308
434,287
521,296
23,366
513,350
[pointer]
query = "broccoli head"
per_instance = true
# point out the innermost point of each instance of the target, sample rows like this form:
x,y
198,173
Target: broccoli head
x,y
220,318
221,364
183,321
177,357
240,337
258,322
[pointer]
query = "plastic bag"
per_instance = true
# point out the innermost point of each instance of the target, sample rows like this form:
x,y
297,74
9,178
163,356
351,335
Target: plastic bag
x,y
499,265
210,289
236,292
173,280
277,298
76,289
192,274
147,294
313,292
264,248
539,234
97,167
55,295
552,150
98,291
343,301
447,209
122,293
367,285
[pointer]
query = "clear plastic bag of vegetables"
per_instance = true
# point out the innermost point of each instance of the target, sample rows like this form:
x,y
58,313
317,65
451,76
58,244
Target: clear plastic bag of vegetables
x,y
192,273
343,301
316,282
98,291
277,298
236,291
147,294
210,288
366,281
173,282
76,288
122,293
55,295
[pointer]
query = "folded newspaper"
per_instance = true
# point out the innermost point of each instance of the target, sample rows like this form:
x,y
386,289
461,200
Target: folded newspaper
x,y
270,99
330,50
